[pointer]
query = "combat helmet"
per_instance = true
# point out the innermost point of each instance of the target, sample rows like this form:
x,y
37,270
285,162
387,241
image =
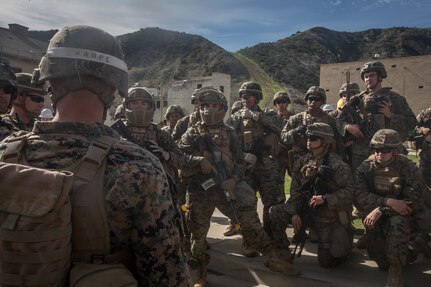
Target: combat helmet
x,y
25,85
81,54
281,95
174,109
386,138
349,87
374,66
318,91
321,130
139,117
211,95
7,79
251,88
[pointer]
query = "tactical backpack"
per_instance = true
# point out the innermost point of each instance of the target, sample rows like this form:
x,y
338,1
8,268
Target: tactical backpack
x,y
40,237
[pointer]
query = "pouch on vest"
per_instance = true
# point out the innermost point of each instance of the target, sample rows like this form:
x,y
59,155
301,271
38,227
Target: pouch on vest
x,y
92,275
35,232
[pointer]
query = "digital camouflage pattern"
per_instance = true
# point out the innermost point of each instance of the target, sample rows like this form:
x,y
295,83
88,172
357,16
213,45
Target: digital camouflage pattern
x,y
10,124
297,142
400,179
325,218
403,121
153,132
184,123
265,177
138,202
424,121
202,203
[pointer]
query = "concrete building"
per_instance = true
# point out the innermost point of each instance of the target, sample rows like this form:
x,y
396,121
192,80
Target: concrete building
x,y
24,53
179,92
408,76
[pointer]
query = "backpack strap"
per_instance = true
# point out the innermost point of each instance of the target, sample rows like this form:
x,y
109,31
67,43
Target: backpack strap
x,y
90,236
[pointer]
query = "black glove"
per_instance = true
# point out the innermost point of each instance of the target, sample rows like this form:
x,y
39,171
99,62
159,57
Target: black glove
x,y
300,131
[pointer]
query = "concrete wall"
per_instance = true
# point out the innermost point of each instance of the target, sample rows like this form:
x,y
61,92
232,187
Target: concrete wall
x,y
180,92
408,76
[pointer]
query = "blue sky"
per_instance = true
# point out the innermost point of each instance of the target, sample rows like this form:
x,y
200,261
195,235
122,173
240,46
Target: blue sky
x,y
231,24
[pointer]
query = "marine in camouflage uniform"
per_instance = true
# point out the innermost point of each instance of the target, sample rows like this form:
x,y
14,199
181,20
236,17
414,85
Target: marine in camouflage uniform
x,y
281,102
138,204
330,205
389,191
259,135
347,91
378,108
172,115
184,123
8,88
25,108
293,133
218,143
424,133
139,106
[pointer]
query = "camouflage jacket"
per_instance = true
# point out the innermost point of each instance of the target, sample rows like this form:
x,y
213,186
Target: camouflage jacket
x,y
10,124
299,144
183,124
400,179
340,186
403,119
267,122
138,202
192,143
154,133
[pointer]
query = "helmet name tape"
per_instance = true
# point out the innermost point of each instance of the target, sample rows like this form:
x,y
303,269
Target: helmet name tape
x,y
87,55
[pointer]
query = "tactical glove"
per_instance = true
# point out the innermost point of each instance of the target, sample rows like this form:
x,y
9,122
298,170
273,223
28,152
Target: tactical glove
x,y
206,166
229,186
249,114
250,160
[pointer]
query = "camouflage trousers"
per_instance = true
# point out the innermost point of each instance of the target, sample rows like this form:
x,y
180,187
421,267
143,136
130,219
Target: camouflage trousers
x,y
201,207
266,178
335,239
388,240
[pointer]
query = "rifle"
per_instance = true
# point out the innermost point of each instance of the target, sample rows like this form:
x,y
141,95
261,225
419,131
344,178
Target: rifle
x,y
223,173
349,113
315,186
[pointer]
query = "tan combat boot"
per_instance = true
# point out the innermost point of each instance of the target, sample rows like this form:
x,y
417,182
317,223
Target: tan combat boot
x,y
232,229
276,263
395,276
201,276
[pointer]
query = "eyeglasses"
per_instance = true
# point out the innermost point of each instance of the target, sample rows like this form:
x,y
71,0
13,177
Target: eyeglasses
x,y
313,138
37,99
382,150
314,99
246,96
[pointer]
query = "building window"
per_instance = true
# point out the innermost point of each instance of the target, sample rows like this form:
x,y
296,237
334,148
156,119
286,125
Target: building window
x,y
394,66
199,86
165,103
421,87
357,69
158,104
221,89
327,90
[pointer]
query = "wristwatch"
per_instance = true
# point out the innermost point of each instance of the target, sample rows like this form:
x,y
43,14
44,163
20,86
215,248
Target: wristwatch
x,y
382,209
